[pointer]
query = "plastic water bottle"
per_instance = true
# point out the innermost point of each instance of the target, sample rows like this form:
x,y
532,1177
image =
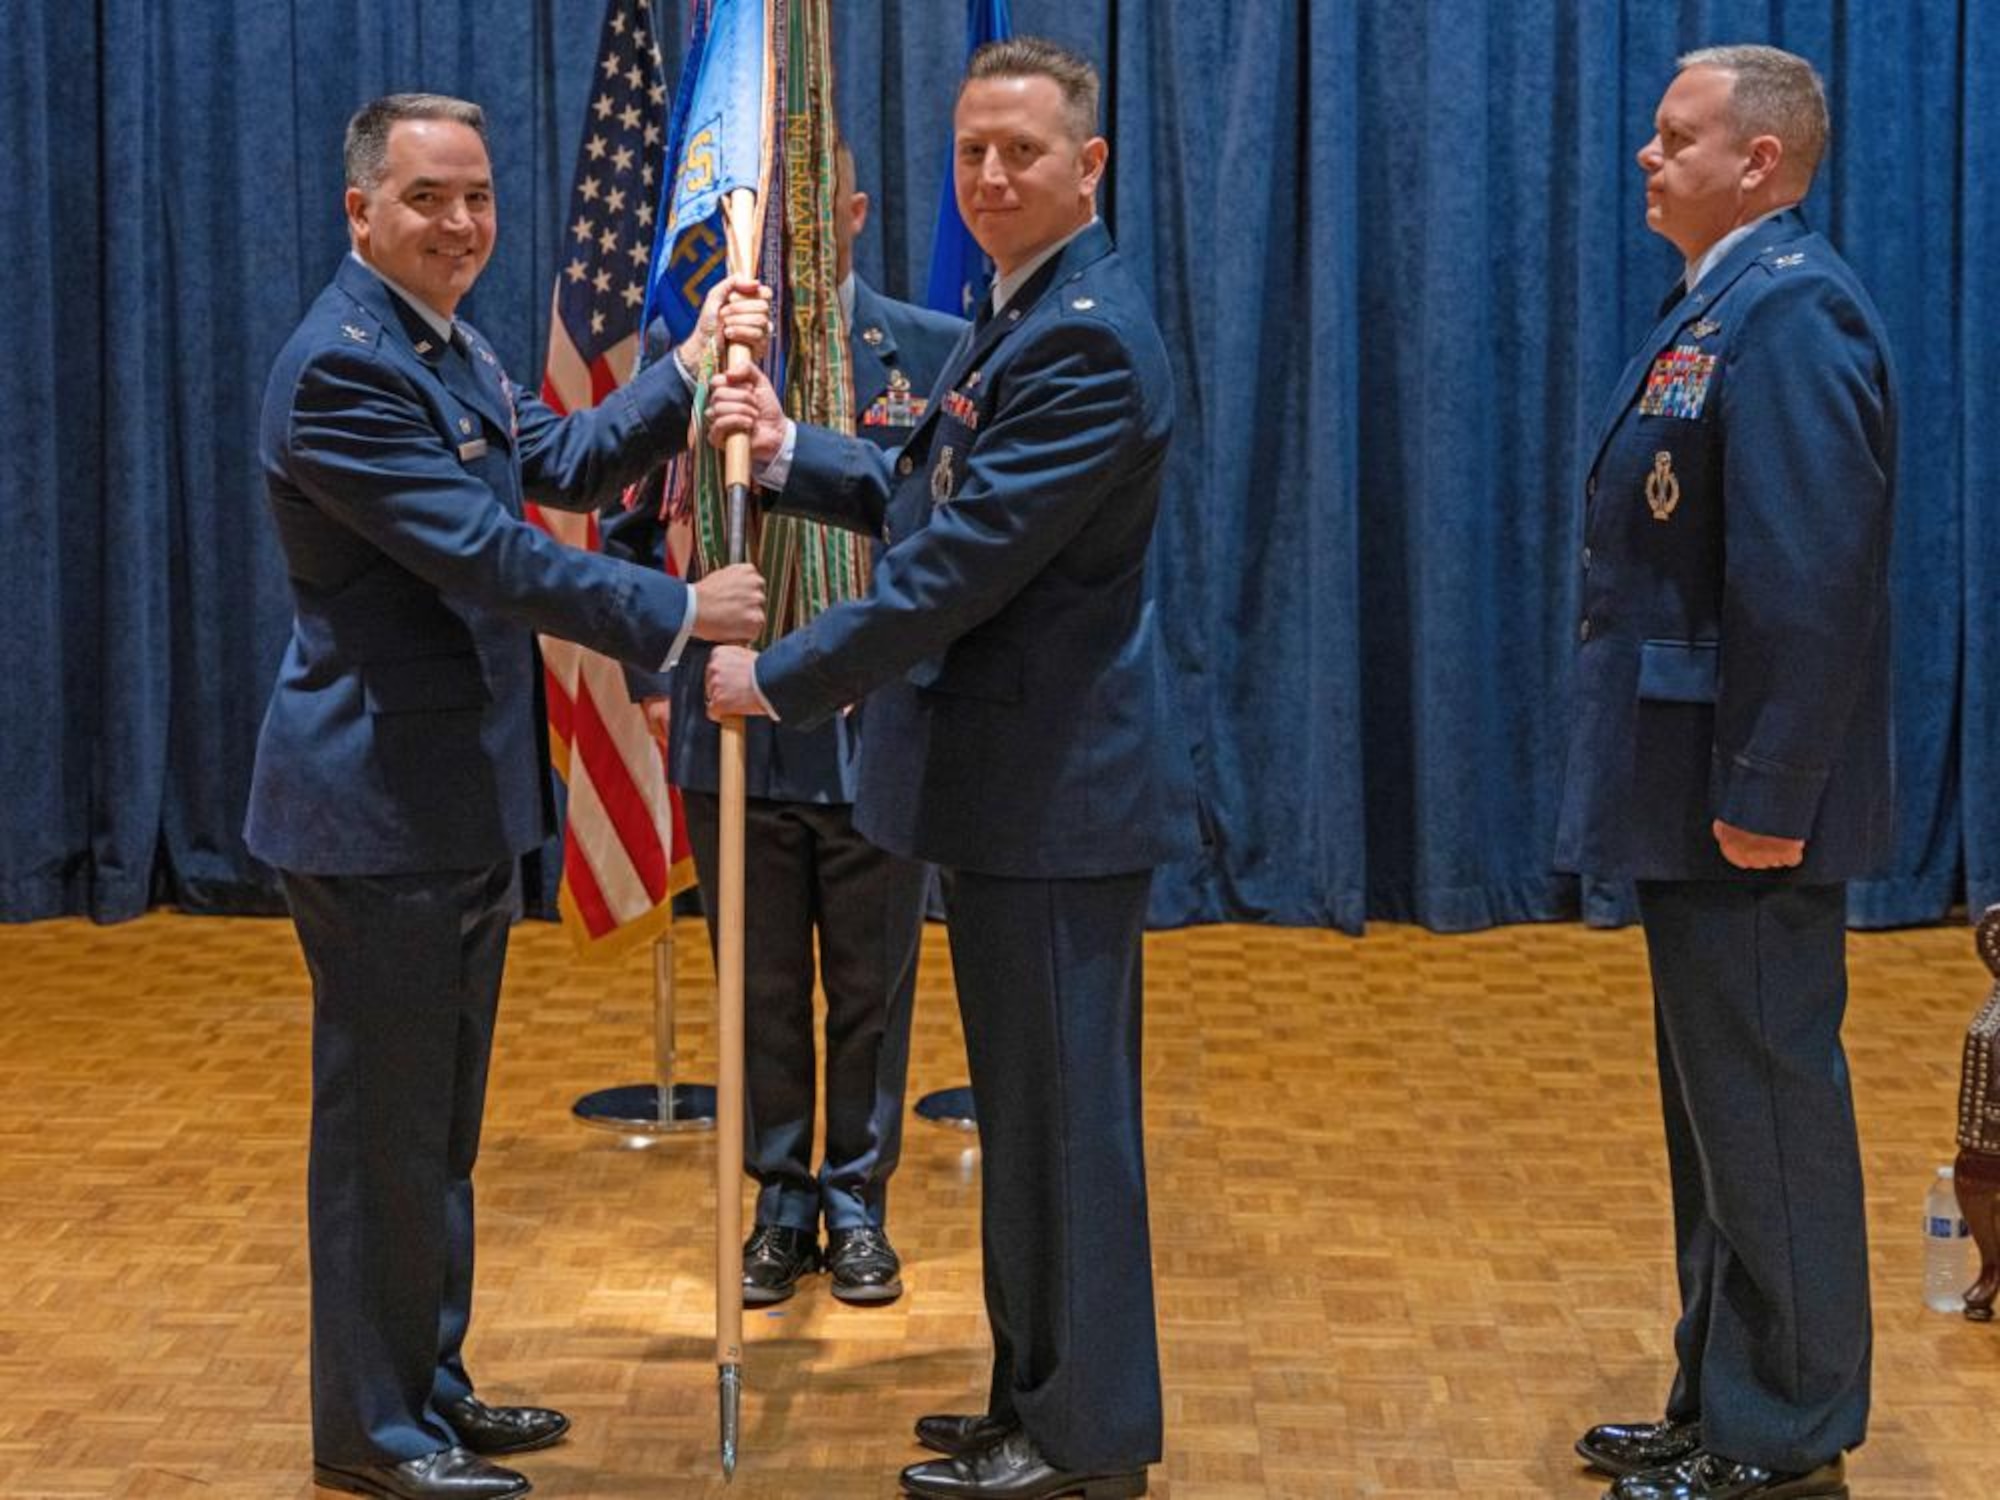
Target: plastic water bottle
x,y
1947,1241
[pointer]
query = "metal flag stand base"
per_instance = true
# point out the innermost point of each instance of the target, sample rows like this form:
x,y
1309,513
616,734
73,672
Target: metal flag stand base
x,y
642,1112
951,1108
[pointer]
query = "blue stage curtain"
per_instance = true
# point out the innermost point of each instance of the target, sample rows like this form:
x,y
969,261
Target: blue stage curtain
x,y
1397,253
181,204
1968,242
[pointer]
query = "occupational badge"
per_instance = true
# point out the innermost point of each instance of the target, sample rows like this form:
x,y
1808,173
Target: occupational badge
x,y
1786,262
942,478
1678,384
359,335
1663,491
1084,304
1705,329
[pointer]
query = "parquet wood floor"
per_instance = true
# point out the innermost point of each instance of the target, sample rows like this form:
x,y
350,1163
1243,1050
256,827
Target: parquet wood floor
x,y
1409,1205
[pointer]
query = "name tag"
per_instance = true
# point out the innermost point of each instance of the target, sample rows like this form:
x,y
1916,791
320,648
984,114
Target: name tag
x,y
467,452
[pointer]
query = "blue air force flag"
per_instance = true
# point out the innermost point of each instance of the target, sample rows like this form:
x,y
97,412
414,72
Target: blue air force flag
x,y
717,144
960,271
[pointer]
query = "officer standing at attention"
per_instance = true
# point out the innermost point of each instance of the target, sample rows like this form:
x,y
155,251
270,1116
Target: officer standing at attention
x,y
1730,751
401,770
1021,734
810,872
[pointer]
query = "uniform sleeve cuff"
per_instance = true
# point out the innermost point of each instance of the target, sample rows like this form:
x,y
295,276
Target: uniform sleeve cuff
x,y
687,627
769,712
774,474
1761,797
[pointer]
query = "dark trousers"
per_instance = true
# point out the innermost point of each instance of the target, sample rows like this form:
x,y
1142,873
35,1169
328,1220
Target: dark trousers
x,y
807,871
406,978
1050,985
1750,987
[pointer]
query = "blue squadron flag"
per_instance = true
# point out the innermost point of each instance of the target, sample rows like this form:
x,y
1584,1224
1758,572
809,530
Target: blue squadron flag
x,y
960,271
720,140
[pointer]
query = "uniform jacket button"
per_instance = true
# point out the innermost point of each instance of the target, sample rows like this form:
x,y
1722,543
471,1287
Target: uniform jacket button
x,y
904,465
1583,631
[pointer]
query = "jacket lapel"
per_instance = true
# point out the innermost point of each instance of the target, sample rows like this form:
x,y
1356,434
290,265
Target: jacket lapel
x,y
973,351
1780,229
406,331
482,376
871,346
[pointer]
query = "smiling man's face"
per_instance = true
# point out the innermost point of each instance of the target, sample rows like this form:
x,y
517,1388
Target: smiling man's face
x,y
1024,178
428,224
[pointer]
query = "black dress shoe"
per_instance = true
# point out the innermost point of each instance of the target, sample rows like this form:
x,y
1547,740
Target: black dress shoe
x,y
951,1433
448,1474
1013,1469
492,1430
864,1265
1619,1448
1708,1476
774,1258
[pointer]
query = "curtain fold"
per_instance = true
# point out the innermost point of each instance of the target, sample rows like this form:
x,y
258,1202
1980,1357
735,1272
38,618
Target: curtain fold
x,y
1397,254
1972,285
50,435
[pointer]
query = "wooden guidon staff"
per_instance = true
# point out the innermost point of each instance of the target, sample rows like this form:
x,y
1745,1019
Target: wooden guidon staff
x,y
741,219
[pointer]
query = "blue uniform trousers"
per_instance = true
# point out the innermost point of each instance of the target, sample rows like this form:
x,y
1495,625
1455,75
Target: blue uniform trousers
x,y
1750,987
406,980
1050,981
806,871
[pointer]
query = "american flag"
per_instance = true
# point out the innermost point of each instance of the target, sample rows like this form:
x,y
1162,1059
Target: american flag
x,y
625,847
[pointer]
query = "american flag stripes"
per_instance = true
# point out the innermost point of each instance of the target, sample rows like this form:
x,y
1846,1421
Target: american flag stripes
x,y
625,849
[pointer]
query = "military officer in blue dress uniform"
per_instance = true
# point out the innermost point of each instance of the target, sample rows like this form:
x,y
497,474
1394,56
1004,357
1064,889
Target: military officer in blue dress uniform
x,y
401,770
1021,733
1730,751
809,872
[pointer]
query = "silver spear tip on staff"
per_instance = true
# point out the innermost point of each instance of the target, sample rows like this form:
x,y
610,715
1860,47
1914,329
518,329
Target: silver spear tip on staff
x,y
729,1390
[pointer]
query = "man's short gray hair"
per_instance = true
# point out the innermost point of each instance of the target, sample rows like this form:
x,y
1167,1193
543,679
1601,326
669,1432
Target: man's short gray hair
x,y
1775,93
367,152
